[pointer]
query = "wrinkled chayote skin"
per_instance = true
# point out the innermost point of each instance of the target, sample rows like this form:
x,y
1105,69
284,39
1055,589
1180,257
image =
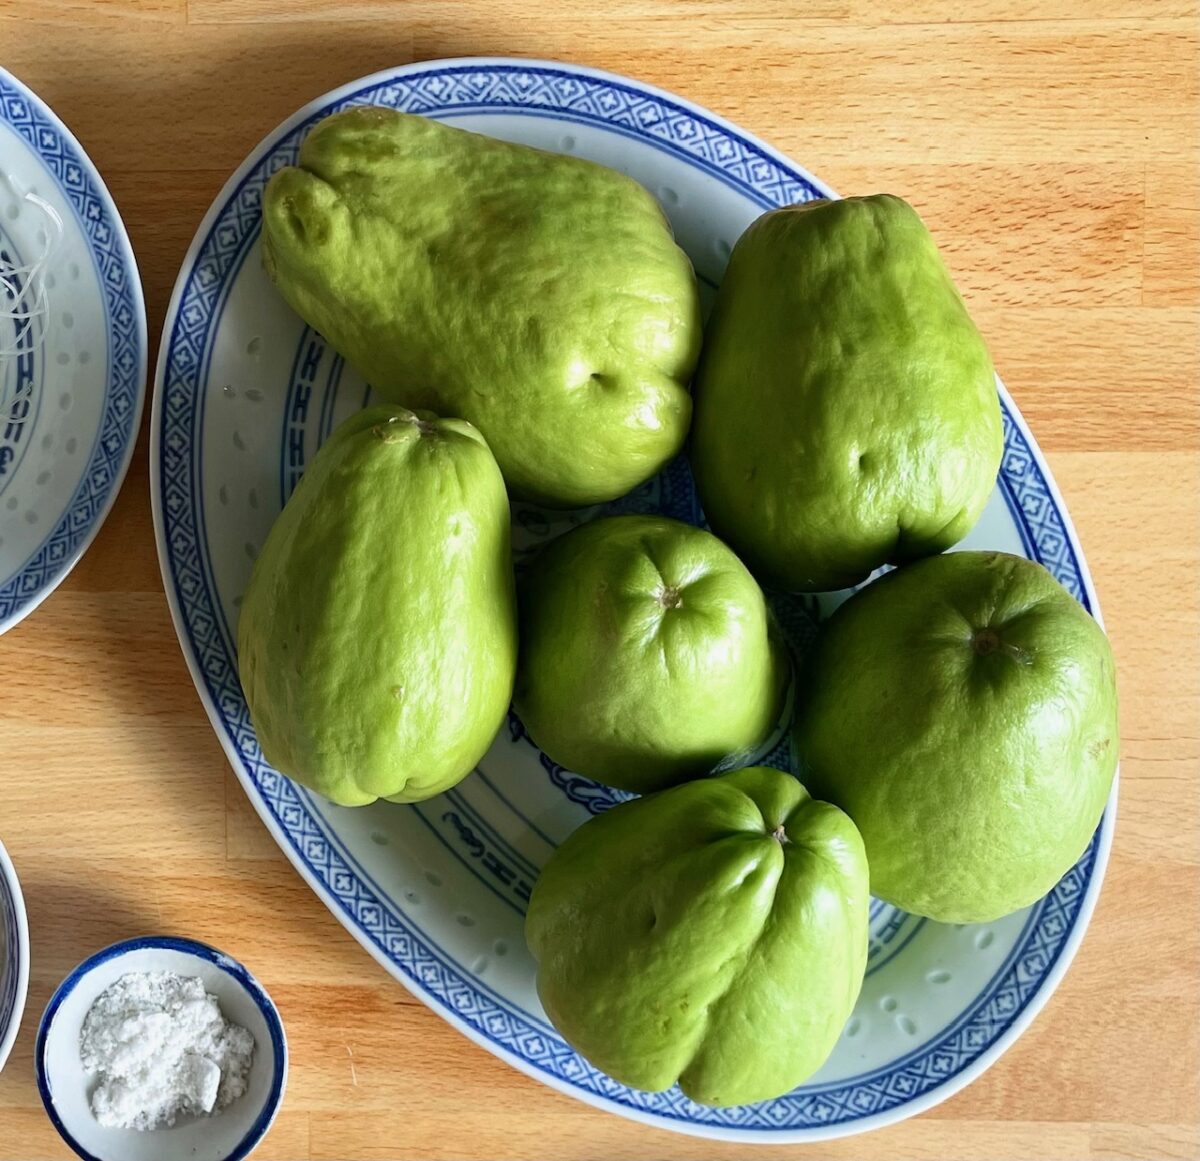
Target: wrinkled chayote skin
x,y
540,297
713,934
377,639
963,711
846,406
648,654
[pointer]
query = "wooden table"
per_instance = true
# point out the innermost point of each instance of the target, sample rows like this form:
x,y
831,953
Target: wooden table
x,y
1055,157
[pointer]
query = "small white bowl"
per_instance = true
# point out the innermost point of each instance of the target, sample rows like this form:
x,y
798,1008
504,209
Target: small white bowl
x,y
66,1088
14,955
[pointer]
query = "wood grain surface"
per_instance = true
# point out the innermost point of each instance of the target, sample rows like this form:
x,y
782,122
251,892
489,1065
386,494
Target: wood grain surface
x,y
1053,147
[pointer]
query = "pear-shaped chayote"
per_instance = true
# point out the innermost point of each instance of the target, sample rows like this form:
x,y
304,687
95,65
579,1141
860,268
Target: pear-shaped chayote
x,y
539,296
377,639
846,406
713,934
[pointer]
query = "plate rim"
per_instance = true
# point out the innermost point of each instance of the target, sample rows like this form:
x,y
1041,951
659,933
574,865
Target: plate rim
x,y
141,337
915,1106
10,888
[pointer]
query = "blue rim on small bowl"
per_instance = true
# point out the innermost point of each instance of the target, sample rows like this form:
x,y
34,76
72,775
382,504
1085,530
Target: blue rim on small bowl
x,y
200,951
14,955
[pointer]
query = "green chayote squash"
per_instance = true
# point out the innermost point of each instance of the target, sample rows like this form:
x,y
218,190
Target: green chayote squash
x,y
713,934
377,637
541,297
846,406
648,653
963,711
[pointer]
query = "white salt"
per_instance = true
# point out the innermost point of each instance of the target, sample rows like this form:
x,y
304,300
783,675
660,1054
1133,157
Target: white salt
x,y
161,1048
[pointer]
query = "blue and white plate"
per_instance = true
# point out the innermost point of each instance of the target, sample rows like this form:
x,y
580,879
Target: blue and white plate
x,y
72,351
14,955
437,892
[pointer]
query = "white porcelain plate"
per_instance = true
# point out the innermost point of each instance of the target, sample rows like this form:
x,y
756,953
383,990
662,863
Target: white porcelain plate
x,y
71,386
437,891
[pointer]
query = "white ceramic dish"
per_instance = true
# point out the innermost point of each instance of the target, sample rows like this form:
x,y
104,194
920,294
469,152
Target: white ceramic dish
x,y
65,1087
71,399
14,955
436,892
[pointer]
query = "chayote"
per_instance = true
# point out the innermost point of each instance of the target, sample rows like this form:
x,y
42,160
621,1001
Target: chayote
x,y
541,297
713,934
648,653
377,638
846,406
963,711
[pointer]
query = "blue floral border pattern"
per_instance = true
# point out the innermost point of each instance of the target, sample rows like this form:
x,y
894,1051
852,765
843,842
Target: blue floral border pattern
x,y
688,135
73,175
593,796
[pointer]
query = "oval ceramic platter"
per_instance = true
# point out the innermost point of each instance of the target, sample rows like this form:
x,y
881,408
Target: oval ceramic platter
x,y
72,351
437,892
